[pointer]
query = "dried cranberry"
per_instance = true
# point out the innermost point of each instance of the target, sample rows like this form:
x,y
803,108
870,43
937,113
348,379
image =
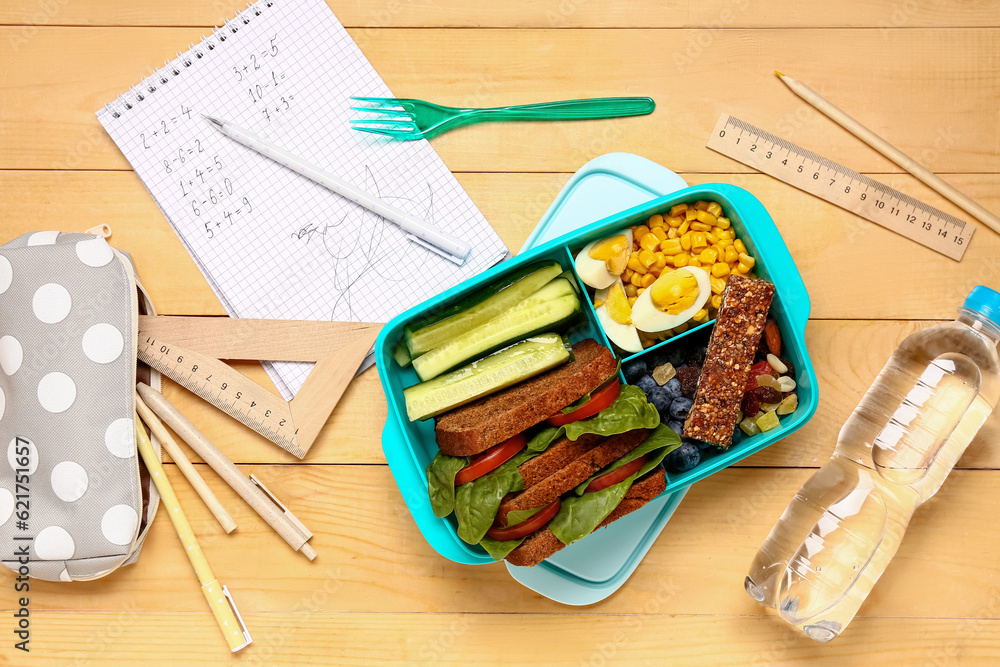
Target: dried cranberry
x,y
689,377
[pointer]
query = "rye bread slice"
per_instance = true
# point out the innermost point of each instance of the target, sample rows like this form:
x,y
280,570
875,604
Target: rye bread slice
x,y
562,479
474,428
541,544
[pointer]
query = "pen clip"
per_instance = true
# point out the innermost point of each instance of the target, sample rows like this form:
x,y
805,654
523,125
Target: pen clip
x,y
298,525
243,626
436,250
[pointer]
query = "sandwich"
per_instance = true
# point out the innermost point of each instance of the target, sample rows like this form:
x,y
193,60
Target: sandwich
x,y
540,465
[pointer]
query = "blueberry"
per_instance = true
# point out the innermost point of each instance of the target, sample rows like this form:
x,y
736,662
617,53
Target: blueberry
x,y
680,407
675,426
673,386
634,370
660,399
646,383
683,458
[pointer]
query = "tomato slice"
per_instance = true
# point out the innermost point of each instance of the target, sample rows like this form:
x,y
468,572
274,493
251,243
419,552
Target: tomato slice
x,y
615,476
526,527
491,459
598,401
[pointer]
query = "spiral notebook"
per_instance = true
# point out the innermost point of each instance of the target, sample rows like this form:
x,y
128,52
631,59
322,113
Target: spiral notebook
x,y
271,243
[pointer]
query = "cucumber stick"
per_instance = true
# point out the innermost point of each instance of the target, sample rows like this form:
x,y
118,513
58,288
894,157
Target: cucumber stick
x,y
479,308
501,369
401,354
545,310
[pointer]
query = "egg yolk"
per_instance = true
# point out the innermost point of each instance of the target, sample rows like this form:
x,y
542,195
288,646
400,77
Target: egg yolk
x,y
613,251
617,305
674,292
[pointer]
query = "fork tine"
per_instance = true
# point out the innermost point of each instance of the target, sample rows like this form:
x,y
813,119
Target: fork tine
x,y
386,133
383,110
390,101
385,121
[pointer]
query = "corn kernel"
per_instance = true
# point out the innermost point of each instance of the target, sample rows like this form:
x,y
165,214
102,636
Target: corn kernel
x,y
694,261
711,238
636,279
725,241
700,227
700,316
639,291
632,300
724,223
706,218
646,258
648,242
655,220
684,228
690,214
739,246
743,268
727,234
720,269
660,233
716,301
698,241
701,205
714,208
648,279
747,259
639,232
681,260
732,254
672,233
686,241
630,290
708,256
626,274
671,246
718,284
635,264
659,264
675,221
677,209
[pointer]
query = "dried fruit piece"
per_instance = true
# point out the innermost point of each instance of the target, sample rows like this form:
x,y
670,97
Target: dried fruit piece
x,y
751,404
768,381
772,337
768,421
749,426
765,395
760,368
788,405
689,377
663,374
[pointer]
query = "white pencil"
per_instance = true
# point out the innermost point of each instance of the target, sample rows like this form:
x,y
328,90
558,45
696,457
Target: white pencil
x,y
417,230
891,152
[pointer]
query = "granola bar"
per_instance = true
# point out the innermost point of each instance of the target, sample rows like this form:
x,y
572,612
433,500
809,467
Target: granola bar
x,y
734,340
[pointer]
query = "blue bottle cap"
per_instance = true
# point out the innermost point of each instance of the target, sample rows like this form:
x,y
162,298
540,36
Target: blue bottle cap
x,y
984,301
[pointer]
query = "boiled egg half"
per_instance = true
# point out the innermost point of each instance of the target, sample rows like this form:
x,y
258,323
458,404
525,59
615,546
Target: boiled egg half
x,y
601,262
615,317
673,299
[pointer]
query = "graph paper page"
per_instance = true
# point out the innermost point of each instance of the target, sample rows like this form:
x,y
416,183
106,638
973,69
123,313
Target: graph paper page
x,y
271,243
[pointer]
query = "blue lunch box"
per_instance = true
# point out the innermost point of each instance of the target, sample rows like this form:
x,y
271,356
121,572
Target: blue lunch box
x,y
410,446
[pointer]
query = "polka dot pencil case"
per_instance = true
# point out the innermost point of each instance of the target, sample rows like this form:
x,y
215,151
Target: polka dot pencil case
x,y
75,501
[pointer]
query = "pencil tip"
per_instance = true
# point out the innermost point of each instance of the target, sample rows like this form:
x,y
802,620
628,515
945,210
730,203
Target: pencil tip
x,y
213,121
778,73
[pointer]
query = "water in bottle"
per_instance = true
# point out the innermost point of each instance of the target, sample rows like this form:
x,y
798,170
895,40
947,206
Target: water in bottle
x,y
844,525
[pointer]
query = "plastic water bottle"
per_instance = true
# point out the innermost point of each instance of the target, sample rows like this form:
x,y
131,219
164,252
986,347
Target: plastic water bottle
x,y
839,533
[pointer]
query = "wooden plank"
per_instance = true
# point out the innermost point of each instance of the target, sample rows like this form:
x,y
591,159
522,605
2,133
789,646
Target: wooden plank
x,y
127,638
839,255
527,14
373,558
932,110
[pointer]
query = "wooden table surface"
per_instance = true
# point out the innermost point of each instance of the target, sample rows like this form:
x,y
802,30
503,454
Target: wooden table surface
x,y
925,74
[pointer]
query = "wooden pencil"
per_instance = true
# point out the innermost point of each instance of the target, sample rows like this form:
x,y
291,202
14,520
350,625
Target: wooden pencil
x,y
891,152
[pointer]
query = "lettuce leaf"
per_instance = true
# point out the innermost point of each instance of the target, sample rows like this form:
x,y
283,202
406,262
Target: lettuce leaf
x,y
441,482
630,411
579,516
477,502
660,442
515,517
498,550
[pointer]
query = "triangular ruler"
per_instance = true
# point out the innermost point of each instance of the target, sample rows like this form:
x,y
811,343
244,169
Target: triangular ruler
x,y
189,351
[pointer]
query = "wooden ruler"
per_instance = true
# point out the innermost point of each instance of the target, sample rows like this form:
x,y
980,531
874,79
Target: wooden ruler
x,y
189,350
839,185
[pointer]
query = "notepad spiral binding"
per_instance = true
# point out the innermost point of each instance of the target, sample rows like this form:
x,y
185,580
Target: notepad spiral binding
x,y
173,68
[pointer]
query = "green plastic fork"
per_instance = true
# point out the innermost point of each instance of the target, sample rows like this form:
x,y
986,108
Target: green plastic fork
x,y
409,119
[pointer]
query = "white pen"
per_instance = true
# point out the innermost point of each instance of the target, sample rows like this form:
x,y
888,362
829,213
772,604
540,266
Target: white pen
x,y
416,229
